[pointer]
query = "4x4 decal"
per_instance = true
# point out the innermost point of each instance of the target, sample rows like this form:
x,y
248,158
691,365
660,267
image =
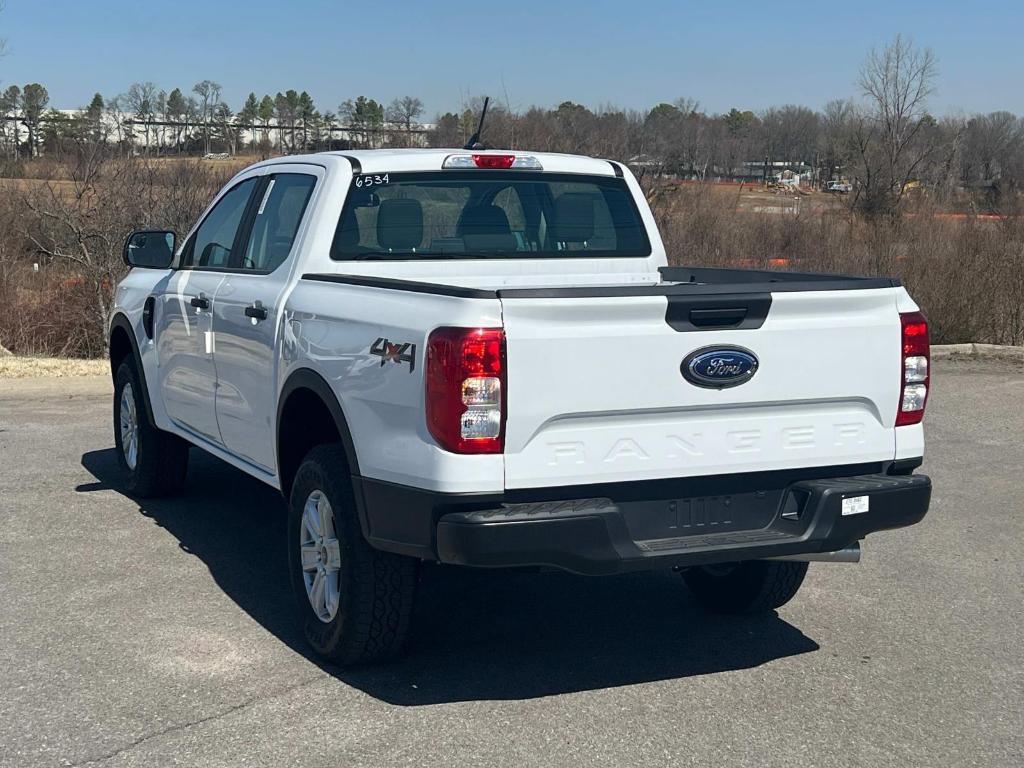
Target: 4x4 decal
x,y
395,353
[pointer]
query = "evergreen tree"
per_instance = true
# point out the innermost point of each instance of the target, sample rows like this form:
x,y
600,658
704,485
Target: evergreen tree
x,y
249,114
93,118
266,114
177,111
306,115
34,99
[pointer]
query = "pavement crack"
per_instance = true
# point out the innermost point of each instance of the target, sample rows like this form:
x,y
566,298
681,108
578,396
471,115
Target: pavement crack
x,y
192,723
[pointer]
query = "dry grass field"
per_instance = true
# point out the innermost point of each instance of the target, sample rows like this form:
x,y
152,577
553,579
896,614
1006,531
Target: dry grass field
x,y
965,269
16,367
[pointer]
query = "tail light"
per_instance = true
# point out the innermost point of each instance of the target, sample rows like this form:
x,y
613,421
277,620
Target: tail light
x,y
914,369
466,389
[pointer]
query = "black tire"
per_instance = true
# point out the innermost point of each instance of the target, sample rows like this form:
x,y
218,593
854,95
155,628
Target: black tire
x,y
752,586
161,458
376,589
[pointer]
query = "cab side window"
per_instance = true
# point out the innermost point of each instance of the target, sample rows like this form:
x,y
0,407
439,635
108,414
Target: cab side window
x,y
211,244
277,220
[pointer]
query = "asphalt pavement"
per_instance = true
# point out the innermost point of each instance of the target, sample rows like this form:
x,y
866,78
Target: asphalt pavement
x,y
160,633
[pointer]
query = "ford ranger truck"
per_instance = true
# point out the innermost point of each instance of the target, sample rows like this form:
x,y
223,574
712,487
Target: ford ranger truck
x,y
483,358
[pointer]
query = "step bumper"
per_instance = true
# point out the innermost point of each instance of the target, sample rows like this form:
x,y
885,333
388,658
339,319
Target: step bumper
x,y
600,536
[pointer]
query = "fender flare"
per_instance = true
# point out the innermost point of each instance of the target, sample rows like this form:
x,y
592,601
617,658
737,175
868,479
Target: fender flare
x,y
120,320
307,378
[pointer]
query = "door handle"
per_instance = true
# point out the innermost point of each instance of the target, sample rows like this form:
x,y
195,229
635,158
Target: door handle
x,y
721,317
257,311
687,313
200,302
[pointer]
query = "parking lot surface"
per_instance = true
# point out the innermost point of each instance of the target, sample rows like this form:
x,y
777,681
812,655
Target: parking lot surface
x,y
160,633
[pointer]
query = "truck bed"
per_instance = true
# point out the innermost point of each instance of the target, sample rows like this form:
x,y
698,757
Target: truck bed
x,y
597,391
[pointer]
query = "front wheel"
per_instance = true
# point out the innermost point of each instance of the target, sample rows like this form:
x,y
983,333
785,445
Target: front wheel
x,y
355,602
752,586
155,461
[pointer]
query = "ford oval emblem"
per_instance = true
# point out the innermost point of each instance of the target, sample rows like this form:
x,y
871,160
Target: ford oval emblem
x,y
719,367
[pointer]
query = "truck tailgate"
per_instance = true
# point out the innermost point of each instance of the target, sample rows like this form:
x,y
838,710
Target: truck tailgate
x,y
596,393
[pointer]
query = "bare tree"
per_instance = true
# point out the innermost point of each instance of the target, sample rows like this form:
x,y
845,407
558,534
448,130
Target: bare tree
x,y
404,112
892,137
160,112
790,133
994,141
209,98
141,100
80,222
946,175
193,119
834,138
9,101
114,110
686,105
226,127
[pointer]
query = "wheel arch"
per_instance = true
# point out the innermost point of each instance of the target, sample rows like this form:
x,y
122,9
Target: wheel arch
x,y
307,396
123,345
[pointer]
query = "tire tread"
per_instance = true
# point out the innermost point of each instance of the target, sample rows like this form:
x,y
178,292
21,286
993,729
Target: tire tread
x,y
753,586
162,462
378,588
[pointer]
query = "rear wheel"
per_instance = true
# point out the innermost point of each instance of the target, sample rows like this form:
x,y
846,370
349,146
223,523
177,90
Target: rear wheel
x,y
355,602
154,461
752,586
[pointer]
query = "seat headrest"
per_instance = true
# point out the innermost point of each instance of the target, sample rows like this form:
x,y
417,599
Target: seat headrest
x,y
573,218
400,224
347,233
483,220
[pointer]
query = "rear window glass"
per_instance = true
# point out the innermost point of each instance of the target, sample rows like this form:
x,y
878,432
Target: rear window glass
x,y
489,214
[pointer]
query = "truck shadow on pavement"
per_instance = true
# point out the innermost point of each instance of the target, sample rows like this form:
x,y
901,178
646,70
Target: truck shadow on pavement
x,y
477,634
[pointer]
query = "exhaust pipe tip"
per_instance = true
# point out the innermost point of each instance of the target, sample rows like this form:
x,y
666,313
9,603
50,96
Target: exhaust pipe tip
x,y
850,554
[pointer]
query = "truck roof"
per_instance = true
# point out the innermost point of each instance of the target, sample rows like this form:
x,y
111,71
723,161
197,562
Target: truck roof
x,y
397,160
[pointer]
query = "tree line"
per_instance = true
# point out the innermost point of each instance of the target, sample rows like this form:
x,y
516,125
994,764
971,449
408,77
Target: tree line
x,y
884,140
149,120
62,229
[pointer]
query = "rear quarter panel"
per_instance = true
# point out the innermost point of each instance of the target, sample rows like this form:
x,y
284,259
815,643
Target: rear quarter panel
x,y
332,329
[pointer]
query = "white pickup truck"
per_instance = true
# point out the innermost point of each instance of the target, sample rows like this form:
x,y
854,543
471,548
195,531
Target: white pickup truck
x,y
483,358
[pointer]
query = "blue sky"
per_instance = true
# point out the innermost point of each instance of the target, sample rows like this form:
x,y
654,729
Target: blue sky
x,y
633,54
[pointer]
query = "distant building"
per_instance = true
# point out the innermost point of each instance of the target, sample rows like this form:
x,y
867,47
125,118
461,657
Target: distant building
x,y
141,133
795,173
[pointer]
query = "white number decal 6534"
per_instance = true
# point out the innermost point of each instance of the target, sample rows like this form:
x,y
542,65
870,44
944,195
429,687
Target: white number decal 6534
x,y
370,180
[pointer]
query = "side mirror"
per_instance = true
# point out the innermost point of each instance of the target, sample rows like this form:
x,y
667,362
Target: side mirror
x,y
149,248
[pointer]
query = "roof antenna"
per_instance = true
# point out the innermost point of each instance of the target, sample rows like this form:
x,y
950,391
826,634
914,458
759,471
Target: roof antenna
x,y
474,140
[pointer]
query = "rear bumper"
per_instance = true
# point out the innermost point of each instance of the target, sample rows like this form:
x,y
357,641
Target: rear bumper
x,y
646,526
